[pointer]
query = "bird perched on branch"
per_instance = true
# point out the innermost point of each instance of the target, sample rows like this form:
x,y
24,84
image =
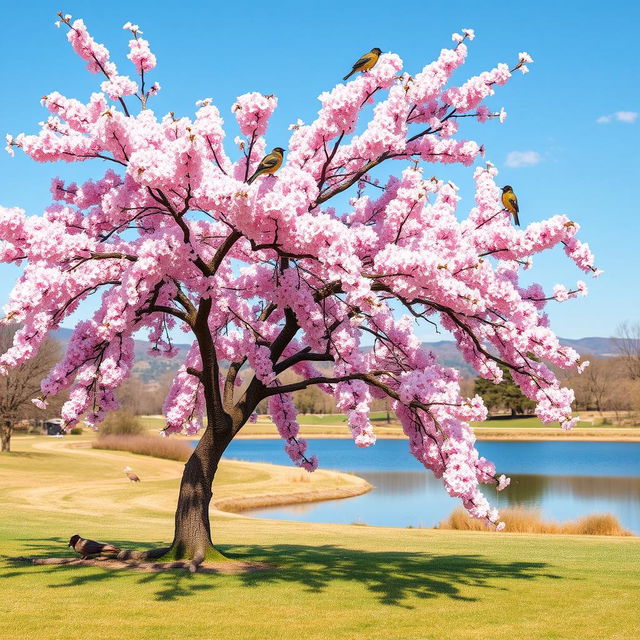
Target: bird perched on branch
x,y
132,476
269,164
510,203
86,547
368,61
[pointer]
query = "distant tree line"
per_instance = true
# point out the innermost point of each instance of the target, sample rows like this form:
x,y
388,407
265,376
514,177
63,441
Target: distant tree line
x,y
612,384
505,396
21,384
608,385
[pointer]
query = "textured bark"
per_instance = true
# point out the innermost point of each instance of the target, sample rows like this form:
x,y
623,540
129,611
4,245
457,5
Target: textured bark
x,y
192,536
5,436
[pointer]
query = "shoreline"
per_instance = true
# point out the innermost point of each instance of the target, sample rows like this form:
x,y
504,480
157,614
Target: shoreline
x,y
488,431
515,435
239,504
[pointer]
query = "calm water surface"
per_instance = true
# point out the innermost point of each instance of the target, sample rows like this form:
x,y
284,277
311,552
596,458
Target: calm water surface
x,y
565,480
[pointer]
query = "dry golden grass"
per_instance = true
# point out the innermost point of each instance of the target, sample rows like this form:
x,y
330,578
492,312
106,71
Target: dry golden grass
x,y
301,475
155,446
247,503
521,520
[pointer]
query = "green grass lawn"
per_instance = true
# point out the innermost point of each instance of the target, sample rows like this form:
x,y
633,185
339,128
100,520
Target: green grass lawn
x,y
332,582
380,421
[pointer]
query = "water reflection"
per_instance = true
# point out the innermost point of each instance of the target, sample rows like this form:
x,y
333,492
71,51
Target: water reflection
x,y
530,489
399,483
404,499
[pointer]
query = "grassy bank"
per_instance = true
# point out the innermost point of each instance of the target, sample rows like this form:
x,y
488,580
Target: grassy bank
x,y
525,428
337,582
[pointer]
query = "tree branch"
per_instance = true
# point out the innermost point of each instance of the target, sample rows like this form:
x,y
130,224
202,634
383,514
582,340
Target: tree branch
x,y
223,249
172,311
306,355
303,384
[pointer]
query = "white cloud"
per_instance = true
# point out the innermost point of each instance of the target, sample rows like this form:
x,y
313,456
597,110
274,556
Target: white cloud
x,y
629,117
518,159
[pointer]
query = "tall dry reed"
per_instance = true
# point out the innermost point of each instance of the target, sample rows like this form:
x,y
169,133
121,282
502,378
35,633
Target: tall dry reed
x,y
522,520
155,446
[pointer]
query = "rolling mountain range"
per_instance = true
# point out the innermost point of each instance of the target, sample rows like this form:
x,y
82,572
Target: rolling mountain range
x,y
149,368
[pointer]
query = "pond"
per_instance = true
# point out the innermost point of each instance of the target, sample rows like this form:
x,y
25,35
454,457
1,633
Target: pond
x,y
564,480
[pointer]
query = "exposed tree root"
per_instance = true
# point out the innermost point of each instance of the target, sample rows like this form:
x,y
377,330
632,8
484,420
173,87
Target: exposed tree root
x,y
140,564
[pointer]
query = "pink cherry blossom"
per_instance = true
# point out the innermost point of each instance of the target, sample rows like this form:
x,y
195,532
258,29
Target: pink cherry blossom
x,y
40,403
141,55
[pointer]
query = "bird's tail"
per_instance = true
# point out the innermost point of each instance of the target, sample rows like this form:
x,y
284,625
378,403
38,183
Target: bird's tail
x,y
516,219
252,178
348,75
109,548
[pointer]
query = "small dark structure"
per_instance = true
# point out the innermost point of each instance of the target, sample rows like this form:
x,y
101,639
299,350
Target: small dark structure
x,y
53,427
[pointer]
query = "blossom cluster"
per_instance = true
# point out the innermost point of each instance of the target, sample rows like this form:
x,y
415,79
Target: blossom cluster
x,y
283,413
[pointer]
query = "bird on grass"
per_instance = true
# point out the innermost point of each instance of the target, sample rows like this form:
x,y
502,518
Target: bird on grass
x,y
86,547
269,164
510,203
368,61
132,476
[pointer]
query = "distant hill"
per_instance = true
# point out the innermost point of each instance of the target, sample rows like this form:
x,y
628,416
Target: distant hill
x,y
601,347
149,368
449,355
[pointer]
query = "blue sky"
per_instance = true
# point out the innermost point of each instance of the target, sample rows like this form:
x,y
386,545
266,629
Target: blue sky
x,y
576,155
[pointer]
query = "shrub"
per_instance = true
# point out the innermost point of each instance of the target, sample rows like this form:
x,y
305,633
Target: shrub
x,y
121,423
599,525
76,431
522,520
155,446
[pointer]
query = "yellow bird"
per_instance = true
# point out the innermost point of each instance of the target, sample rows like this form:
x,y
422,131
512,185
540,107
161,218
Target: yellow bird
x,y
368,61
510,203
269,164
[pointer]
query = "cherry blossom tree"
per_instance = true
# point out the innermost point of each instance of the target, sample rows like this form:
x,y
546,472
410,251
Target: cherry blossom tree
x,y
281,275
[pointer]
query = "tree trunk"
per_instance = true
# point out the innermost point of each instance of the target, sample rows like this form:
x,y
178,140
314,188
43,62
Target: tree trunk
x,y
192,537
5,436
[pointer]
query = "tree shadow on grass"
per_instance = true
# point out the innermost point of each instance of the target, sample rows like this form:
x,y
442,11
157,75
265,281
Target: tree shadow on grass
x,y
392,577
171,584
22,454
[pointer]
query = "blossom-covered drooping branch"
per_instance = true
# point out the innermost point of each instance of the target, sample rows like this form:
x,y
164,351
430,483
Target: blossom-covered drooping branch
x,y
271,276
